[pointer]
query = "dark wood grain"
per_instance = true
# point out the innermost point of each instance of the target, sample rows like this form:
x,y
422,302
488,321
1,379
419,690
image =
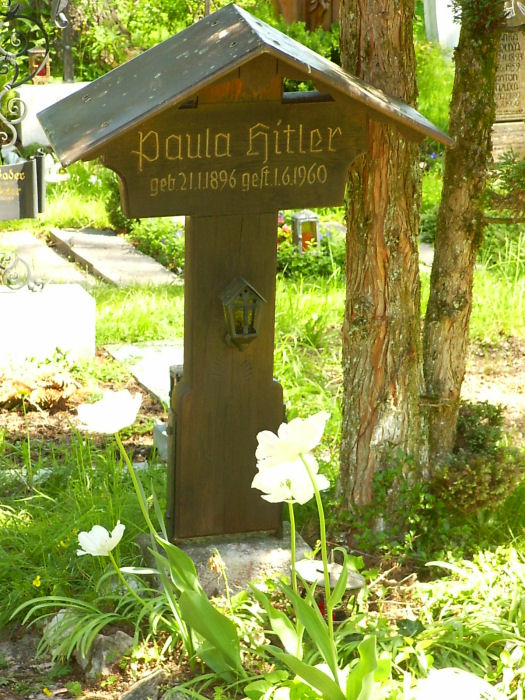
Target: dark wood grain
x,y
226,396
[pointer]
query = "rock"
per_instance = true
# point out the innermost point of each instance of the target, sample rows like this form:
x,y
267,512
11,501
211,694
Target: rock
x,y
105,651
146,688
245,557
312,570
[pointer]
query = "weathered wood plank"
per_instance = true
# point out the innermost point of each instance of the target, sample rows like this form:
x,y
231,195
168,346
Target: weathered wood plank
x,y
226,396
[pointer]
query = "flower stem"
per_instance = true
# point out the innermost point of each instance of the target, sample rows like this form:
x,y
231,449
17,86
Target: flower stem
x,y
324,556
121,577
136,484
292,545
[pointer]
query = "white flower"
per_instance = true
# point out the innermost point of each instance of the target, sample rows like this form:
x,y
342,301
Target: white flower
x,y
98,542
454,684
116,410
289,481
297,437
282,475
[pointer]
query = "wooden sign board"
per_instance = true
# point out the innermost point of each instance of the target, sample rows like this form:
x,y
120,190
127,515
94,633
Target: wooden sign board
x,y
18,191
510,77
236,158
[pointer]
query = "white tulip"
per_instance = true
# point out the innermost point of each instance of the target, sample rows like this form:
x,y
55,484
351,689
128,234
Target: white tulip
x,y
98,542
282,474
289,482
297,437
116,410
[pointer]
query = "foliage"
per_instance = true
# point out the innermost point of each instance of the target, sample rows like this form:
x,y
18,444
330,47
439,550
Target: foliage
x,y
326,261
401,515
432,184
474,616
138,314
481,472
434,95
162,239
41,483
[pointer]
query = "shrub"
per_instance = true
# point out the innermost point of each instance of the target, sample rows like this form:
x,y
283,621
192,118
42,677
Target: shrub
x,y
481,472
327,261
161,238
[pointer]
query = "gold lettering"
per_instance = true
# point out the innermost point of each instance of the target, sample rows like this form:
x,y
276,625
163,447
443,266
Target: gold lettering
x,y
301,149
197,153
315,141
278,152
153,153
176,154
331,134
226,145
288,133
257,131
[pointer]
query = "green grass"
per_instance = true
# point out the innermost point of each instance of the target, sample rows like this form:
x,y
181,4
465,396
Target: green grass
x,y
139,314
50,492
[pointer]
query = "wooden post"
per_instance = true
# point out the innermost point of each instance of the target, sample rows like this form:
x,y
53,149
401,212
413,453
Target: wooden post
x,y
226,396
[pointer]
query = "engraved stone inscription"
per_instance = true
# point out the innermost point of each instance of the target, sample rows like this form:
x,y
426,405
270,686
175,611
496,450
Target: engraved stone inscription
x,y
230,158
510,77
18,193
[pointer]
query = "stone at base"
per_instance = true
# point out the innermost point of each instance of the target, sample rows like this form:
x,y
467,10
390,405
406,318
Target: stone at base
x,y
37,324
246,558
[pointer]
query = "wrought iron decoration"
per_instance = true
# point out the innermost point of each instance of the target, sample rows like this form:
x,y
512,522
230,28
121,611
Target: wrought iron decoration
x,y
16,274
15,43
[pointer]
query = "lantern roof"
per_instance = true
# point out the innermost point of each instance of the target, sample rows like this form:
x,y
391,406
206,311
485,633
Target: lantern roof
x,y
175,70
236,287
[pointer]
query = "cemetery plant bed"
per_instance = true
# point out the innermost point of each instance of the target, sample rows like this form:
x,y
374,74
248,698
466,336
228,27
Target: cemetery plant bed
x,y
39,402
498,371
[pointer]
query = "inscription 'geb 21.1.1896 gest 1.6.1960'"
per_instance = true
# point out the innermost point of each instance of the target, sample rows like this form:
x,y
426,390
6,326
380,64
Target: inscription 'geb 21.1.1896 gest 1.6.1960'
x,y
290,154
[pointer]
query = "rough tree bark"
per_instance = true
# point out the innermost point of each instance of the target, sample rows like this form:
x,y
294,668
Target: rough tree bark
x,y
382,353
460,221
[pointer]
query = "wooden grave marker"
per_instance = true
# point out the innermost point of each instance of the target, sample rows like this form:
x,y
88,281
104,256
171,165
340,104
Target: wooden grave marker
x,y
200,125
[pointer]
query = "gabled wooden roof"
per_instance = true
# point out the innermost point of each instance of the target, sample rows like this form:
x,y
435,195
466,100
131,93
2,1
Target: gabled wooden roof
x,y
200,55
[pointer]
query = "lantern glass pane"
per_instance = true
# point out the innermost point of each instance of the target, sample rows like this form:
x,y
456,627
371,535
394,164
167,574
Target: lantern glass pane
x,y
238,318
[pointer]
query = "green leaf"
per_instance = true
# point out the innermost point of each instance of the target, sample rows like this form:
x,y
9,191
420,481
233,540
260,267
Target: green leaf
x,y
216,660
409,628
360,681
181,567
158,513
256,689
328,688
280,624
340,587
315,625
212,625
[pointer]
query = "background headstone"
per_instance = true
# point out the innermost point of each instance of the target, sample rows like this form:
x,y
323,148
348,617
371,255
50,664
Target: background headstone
x,y
439,23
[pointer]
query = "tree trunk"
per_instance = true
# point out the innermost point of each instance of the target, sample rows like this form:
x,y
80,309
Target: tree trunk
x,y
459,231
382,356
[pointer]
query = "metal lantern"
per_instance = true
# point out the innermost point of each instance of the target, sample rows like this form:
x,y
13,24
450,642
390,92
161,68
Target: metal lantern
x,y
38,59
305,229
242,306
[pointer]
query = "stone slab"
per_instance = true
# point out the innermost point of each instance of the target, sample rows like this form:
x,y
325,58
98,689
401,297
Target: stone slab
x,y
36,98
508,136
110,257
150,364
44,262
426,254
246,558
37,324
